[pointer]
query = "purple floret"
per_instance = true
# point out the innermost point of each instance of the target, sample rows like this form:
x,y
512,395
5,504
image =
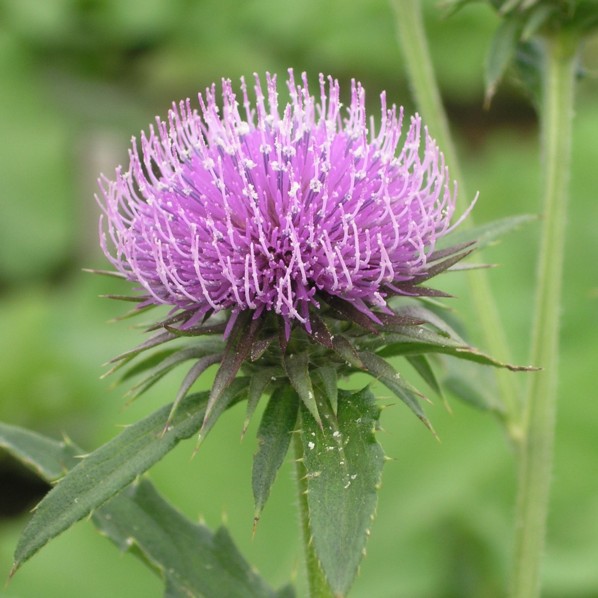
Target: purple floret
x,y
265,207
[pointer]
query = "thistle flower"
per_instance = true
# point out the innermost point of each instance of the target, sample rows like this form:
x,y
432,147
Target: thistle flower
x,y
265,209
279,213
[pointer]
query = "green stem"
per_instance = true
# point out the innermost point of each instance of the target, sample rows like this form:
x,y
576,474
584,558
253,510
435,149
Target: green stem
x,y
318,586
427,96
537,452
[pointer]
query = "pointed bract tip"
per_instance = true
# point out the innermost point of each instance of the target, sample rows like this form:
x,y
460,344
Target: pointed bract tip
x,y
13,570
198,443
256,520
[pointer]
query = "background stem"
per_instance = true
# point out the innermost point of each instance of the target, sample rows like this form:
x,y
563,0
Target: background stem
x,y
537,451
420,69
318,586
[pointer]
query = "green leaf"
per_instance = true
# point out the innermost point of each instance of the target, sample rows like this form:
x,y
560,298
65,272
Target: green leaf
x,y
48,458
150,362
425,316
258,383
320,332
329,384
198,368
274,437
502,52
488,233
472,385
382,370
536,19
344,468
418,340
346,351
297,368
421,364
110,468
193,560
167,364
238,348
154,341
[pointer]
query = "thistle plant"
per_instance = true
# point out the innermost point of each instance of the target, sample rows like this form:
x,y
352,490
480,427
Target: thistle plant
x,y
288,241
292,245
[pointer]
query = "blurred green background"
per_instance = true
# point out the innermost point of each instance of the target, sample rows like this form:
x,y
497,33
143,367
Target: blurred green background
x,y
77,79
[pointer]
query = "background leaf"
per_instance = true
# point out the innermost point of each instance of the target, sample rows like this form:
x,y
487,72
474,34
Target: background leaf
x,y
502,52
489,232
48,458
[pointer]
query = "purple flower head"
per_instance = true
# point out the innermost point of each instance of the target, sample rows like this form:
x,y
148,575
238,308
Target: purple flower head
x,y
256,206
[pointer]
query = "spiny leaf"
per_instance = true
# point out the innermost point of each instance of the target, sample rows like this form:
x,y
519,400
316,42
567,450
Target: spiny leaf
x,y
383,371
274,437
206,349
419,291
348,311
151,361
204,329
234,392
430,317
181,316
258,382
320,332
421,365
150,343
192,560
346,351
109,469
236,352
48,458
420,340
200,366
329,382
344,467
297,368
442,265
399,319
451,248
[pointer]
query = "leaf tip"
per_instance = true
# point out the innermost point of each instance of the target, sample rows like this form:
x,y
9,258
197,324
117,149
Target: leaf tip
x,y
245,427
256,520
489,95
200,438
13,570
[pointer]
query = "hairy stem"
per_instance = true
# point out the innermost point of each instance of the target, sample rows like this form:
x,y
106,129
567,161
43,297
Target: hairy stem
x,y
317,584
414,44
537,451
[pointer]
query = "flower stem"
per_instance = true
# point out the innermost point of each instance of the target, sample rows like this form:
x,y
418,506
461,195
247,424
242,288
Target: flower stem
x,y
420,69
318,586
537,451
